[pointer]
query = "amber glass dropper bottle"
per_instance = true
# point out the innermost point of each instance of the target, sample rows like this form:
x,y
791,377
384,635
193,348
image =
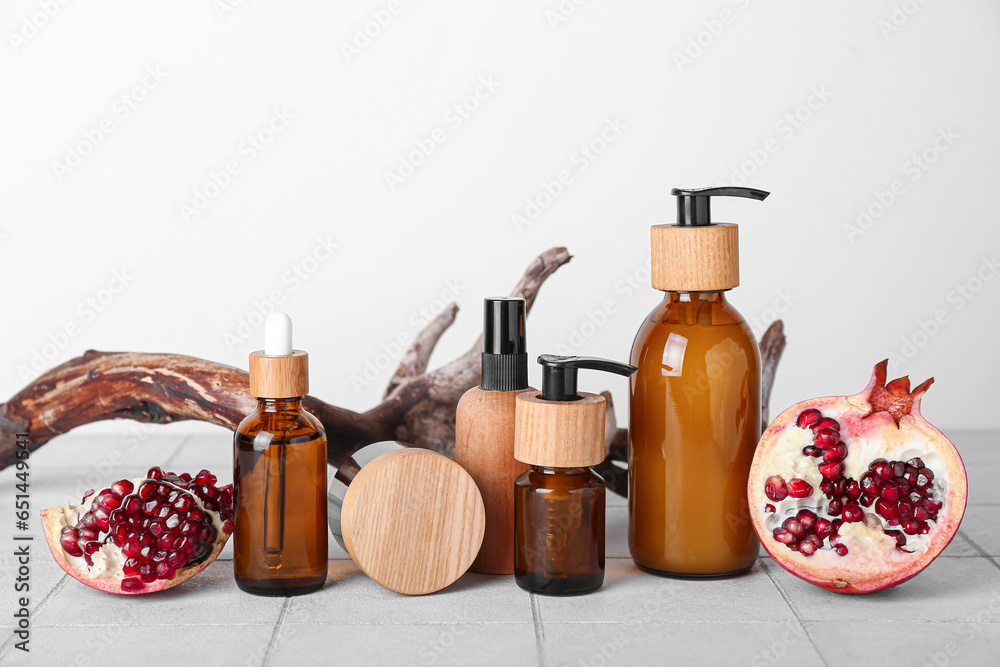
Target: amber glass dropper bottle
x,y
280,528
695,403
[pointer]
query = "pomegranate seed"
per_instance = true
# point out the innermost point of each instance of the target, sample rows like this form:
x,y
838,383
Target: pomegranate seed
x,y
840,487
122,488
853,489
806,518
132,548
146,538
172,521
769,508
835,453
893,522
157,528
925,477
205,477
799,488
186,477
841,549
159,557
70,546
189,528
184,503
176,559
155,473
920,514
881,468
916,462
196,515
164,511
131,584
911,526
163,490
164,571
131,567
809,450
826,487
147,573
852,512
827,422
807,548
147,489
870,483
900,538
227,526
835,507
905,508
890,491
886,509
832,470
165,541
898,468
822,528
91,547
775,489
826,437
808,417
86,495
867,501
784,536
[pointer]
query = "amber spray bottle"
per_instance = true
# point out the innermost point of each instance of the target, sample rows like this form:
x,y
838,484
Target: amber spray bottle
x,y
280,531
559,500
695,403
484,428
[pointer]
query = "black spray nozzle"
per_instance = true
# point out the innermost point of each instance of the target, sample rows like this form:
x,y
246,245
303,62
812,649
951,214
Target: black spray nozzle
x,y
694,208
559,374
505,355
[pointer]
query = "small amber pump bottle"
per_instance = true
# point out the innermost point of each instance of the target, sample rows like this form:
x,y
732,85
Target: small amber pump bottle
x,y
280,531
559,500
484,429
695,403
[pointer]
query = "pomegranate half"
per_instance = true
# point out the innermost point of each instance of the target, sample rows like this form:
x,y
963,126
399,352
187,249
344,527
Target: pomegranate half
x,y
142,535
857,493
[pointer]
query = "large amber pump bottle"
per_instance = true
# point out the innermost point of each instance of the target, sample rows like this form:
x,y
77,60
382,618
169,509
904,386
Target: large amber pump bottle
x,y
695,403
280,530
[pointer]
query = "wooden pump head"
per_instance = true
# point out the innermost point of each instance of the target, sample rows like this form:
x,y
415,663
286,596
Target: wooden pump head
x,y
695,254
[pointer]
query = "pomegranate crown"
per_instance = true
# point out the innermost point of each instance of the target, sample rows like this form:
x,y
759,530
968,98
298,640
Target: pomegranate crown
x,y
894,397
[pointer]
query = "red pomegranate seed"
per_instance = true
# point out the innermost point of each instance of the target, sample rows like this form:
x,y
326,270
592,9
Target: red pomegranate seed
x,y
810,450
131,584
886,509
806,518
898,468
827,422
807,548
775,489
783,536
867,501
890,491
132,548
808,417
900,538
769,508
86,495
799,488
841,549
925,478
911,526
852,512
832,470
835,507
916,462
122,488
826,486
70,545
882,469
826,437
836,453
184,503
205,477
176,559
822,528
155,473
853,489
147,490
164,571
147,573
905,508
870,483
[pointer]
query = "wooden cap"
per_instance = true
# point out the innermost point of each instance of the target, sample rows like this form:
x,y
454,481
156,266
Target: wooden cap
x,y
413,520
689,258
279,377
559,434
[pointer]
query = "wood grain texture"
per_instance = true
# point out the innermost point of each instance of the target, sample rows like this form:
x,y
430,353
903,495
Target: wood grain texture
x,y
559,434
413,521
484,446
279,377
695,259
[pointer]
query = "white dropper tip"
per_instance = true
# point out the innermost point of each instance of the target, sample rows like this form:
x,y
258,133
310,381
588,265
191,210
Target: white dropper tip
x,y
278,335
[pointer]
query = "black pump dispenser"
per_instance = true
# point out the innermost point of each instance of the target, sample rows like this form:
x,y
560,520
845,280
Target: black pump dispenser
x,y
505,355
559,374
694,206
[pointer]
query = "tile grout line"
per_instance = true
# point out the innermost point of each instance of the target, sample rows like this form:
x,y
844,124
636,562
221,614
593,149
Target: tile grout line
x,y
9,644
982,551
536,618
277,632
795,613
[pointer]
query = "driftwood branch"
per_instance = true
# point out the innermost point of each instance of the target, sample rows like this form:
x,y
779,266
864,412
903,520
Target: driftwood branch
x,y
418,407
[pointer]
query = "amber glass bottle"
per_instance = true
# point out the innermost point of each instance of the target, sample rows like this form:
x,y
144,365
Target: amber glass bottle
x,y
559,500
695,421
559,530
279,476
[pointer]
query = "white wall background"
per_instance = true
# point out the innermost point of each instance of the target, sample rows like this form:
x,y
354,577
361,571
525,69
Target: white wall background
x,y
825,104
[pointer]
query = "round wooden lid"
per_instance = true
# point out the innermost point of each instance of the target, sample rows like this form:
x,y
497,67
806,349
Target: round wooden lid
x,y
689,258
559,434
413,520
279,377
